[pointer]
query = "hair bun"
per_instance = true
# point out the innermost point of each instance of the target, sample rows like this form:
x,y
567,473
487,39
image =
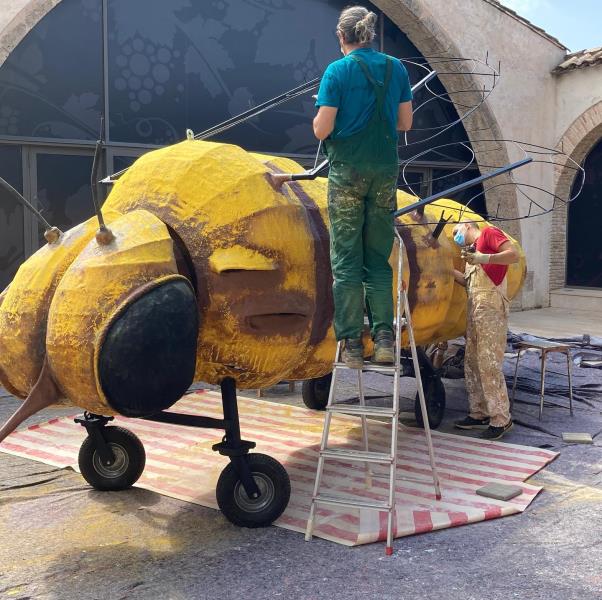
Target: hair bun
x,y
356,24
364,28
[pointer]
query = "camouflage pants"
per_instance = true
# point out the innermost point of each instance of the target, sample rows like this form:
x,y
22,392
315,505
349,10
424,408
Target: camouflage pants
x,y
361,239
487,324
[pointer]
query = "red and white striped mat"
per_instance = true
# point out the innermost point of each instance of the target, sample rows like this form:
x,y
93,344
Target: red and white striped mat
x,y
181,464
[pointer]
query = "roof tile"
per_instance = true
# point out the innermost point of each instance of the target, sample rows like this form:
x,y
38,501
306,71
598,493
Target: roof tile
x,y
579,60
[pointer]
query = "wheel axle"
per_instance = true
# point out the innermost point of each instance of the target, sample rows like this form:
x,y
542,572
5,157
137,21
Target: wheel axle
x,y
252,491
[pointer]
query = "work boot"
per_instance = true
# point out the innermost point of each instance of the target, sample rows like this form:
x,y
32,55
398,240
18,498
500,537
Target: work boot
x,y
495,433
384,351
353,353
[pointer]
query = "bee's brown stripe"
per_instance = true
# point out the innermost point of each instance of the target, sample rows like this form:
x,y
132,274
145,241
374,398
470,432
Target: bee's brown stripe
x,y
415,274
324,300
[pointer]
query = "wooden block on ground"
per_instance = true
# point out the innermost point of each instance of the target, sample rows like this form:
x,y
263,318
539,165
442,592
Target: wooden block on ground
x,y
577,438
500,491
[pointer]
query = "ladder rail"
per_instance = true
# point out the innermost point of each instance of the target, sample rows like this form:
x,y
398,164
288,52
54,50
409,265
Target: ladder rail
x,y
323,443
360,385
399,314
402,320
423,409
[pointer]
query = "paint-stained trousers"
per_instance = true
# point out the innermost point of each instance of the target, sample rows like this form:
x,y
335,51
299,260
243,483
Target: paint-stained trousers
x,y
360,202
487,324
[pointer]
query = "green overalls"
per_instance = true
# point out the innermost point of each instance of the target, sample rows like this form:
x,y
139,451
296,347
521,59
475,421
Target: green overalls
x,y
361,195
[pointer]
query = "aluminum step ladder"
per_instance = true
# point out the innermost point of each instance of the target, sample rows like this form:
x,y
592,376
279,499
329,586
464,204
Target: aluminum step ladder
x,y
390,415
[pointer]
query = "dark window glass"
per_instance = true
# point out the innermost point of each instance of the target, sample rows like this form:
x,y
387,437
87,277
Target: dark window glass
x,y
584,249
63,189
434,113
12,251
50,85
192,64
123,162
413,182
472,197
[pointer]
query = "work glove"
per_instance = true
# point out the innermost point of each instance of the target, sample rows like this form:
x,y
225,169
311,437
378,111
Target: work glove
x,y
475,258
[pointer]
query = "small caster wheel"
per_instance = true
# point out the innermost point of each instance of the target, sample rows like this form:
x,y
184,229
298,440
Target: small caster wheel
x,y
434,396
273,483
125,470
315,392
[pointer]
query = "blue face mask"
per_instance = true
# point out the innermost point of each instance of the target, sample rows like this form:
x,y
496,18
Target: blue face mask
x,y
459,238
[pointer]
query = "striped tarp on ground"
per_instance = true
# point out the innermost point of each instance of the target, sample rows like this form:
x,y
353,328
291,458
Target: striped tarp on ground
x,y
181,464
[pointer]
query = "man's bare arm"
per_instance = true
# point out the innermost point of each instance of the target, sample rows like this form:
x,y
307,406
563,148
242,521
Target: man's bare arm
x,y
405,116
507,255
324,121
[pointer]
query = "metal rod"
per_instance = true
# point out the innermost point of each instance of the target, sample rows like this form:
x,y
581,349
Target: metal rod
x,y
246,115
461,187
7,187
423,409
313,173
426,79
317,154
94,175
362,401
323,443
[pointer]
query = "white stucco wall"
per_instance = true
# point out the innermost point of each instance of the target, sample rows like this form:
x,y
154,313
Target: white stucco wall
x,y
524,104
576,91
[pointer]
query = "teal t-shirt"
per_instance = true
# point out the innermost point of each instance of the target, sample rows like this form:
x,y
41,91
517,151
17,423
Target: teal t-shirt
x,y
345,87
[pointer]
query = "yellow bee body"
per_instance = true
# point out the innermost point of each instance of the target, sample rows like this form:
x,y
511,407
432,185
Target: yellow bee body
x,y
199,222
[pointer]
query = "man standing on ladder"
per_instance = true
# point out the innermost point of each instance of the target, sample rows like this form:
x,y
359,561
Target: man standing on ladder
x,y
487,252
364,99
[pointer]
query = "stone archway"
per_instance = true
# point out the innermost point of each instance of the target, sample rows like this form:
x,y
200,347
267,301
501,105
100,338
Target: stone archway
x,y
416,20
18,18
576,142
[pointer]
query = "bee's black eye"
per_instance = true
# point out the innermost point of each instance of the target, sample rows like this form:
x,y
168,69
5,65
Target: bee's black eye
x,y
148,356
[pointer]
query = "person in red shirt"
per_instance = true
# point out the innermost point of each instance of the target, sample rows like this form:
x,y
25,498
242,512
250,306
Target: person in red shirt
x,y
487,253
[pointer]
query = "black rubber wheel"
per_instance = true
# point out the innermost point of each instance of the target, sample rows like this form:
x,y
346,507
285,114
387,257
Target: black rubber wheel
x,y
127,467
315,392
434,395
273,483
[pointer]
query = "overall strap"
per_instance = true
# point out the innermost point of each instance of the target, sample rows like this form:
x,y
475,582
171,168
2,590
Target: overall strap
x,y
380,89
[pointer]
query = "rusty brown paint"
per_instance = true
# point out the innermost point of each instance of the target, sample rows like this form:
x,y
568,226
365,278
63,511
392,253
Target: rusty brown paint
x,y
262,313
322,317
414,268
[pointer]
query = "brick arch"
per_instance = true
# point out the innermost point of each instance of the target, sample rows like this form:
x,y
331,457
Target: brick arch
x,y
576,143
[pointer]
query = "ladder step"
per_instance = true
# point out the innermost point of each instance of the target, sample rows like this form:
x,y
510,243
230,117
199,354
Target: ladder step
x,y
368,367
357,455
351,502
369,411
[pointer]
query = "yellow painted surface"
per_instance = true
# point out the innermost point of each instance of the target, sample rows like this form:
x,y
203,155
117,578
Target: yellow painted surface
x,y
24,311
239,258
92,290
254,322
259,258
